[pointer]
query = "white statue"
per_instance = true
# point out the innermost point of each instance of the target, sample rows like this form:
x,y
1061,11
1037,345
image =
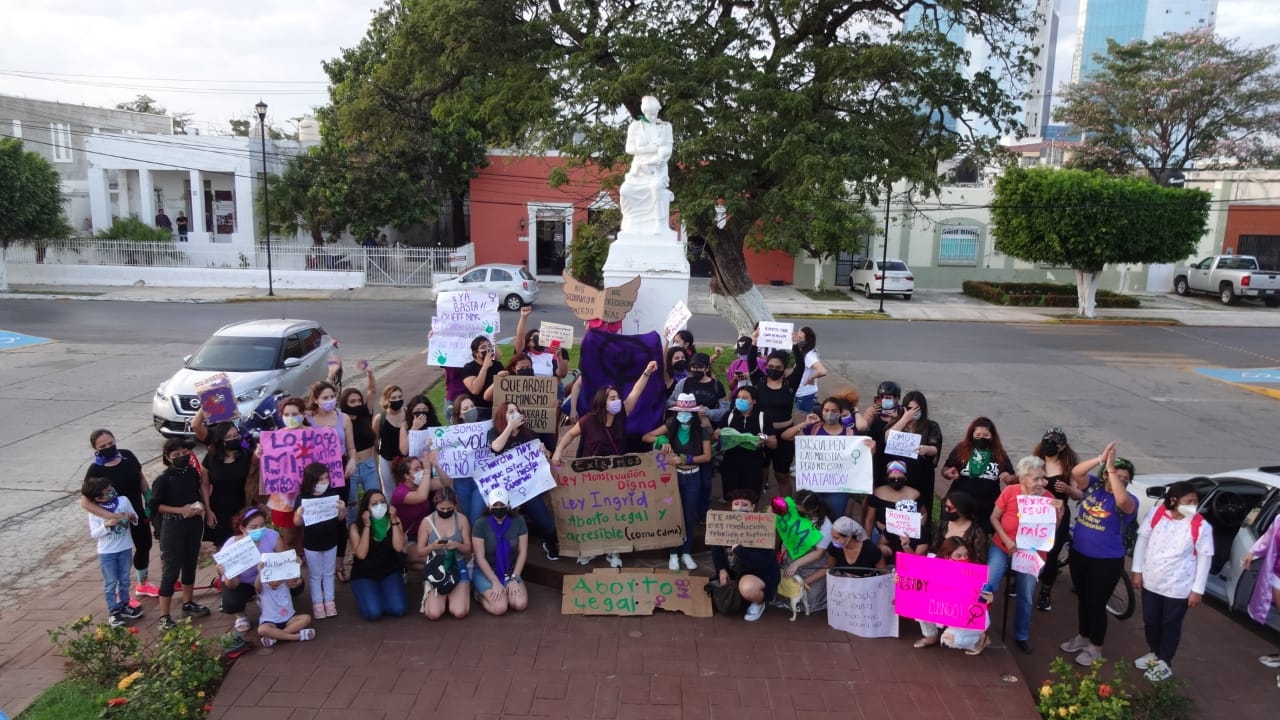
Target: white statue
x,y
644,197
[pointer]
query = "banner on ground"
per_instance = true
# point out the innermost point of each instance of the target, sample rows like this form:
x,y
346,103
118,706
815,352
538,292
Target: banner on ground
x,y
861,606
237,557
285,453
776,335
217,399
618,503
534,396
523,471
549,333
902,444
462,446
318,510
748,529
634,591
617,360
280,566
946,592
834,463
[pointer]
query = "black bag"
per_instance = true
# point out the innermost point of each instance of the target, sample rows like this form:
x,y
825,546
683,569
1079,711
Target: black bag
x,y
441,571
725,598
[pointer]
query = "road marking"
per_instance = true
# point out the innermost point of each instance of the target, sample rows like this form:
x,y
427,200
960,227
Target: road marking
x,y
12,340
1059,330
1246,376
1126,359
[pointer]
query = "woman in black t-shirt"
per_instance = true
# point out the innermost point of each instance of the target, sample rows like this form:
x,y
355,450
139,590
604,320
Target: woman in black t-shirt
x,y
228,464
123,470
478,375
179,498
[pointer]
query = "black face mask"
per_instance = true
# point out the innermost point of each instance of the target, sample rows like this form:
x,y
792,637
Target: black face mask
x,y
499,512
356,411
182,462
773,373
525,371
949,516
680,365
445,514
395,405
696,374
107,453
420,414
981,443
1050,449
897,484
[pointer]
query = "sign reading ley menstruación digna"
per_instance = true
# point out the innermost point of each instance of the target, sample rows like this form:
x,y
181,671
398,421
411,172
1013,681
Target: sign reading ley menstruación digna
x,y
619,503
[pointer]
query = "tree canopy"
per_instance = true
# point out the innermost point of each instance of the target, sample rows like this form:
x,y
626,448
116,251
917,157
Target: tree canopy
x,y
147,104
1087,220
31,201
1181,99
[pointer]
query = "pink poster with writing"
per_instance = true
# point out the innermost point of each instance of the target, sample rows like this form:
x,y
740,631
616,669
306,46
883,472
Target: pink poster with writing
x,y
946,592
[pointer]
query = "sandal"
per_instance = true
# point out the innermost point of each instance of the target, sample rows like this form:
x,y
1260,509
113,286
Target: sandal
x,y
242,624
926,642
982,645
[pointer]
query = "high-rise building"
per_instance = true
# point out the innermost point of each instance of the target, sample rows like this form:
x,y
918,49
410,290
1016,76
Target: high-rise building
x,y
1039,94
954,31
1128,20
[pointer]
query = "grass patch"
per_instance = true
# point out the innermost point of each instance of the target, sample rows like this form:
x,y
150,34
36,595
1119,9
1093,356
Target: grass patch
x,y
1114,320
836,314
1041,295
67,700
824,294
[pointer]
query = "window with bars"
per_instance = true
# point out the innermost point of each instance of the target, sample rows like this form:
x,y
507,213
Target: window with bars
x,y
60,138
959,245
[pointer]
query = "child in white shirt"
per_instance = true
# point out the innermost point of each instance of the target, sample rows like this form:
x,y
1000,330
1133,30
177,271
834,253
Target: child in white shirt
x,y
115,547
278,620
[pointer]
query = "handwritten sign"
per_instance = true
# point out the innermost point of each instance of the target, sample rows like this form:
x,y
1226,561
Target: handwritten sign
x,y
748,529
550,332
676,321
1037,509
318,510
419,442
535,396
776,335
1035,536
286,452
462,447
946,592
610,305
1027,561
861,606
834,463
902,444
280,566
467,303
634,591
899,522
238,557
619,503
523,471
217,399
449,344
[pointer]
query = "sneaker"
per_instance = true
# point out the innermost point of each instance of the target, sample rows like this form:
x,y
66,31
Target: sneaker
x,y
267,642
1089,656
235,646
331,609
1158,671
753,612
131,612
306,634
586,559
689,564
115,620
193,609
1044,602
1025,646
614,559
552,549
242,624
1271,661
167,623
317,611
146,590
133,603
1075,644
673,562
1145,661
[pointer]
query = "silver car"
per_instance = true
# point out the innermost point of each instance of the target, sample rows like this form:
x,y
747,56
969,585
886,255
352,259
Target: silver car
x,y
261,358
513,284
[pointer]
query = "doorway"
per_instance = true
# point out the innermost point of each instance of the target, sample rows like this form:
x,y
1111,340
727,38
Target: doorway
x,y
551,236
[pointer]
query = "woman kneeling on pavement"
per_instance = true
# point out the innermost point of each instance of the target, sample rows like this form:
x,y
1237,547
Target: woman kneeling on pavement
x,y
755,570
500,542
377,574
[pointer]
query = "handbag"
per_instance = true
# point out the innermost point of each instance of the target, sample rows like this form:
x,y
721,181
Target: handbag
x,y
725,598
441,570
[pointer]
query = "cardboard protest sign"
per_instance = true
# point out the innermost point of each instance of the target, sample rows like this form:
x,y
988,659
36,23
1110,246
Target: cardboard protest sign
x,y
318,510
280,566
550,333
861,606
618,360
419,442
467,304
834,463
1027,561
676,321
776,335
462,446
634,591
237,557
617,504
523,471
902,444
286,452
535,397
217,399
749,529
946,592
899,522
610,305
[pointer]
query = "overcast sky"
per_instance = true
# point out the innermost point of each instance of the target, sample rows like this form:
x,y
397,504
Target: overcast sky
x,y
216,59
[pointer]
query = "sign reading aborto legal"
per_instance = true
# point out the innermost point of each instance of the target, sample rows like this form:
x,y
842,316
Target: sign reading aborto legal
x,y
634,591
618,503
834,463
610,305
535,396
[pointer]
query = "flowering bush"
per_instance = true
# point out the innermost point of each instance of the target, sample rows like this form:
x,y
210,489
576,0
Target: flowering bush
x,y
1082,695
98,653
180,671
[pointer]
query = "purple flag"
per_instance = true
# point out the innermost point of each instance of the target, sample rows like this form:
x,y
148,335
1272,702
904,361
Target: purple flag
x,y
617,360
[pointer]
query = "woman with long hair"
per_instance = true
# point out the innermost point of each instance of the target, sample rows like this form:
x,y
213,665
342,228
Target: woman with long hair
x,y
123,469
377,540
829,423
228,464
690,449
973,642
743,466
509,431
776,397
1060,461
446,531
386,430
320,539
470,499
922,469
808,369
280,504
979,466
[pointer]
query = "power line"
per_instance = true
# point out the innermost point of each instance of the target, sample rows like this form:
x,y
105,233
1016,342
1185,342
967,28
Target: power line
x,y
161,79
167,88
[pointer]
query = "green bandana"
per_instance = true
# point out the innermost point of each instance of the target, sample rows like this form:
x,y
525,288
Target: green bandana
x,y
380,528
978,462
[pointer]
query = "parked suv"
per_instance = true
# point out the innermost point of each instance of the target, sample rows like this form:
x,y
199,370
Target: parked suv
x,y
260,357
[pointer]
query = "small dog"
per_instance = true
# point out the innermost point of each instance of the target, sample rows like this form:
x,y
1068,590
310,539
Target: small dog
x,y
795,592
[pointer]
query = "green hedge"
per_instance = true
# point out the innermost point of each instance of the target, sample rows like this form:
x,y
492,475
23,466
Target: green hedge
x,y
1041,295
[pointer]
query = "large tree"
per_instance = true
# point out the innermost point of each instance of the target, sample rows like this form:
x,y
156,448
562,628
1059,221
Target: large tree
x,y
31,201
306,197
1088,220
784,112
1178,101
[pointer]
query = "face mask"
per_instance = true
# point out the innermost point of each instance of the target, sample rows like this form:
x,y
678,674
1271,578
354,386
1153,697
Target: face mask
x,y
837,544
256,534
831,418
696,375
514,416
293,422
420,414
499,512
744,509
182,462
981,443
353,409
773,373
233,442
1049,449
742,405
321,488
525,371
445,514
897,483
680,365
395,405
417,477
684,417
328,405
613,407
847,421
949,516
107,453
1186,510
378,510
886,403
470,415
110,495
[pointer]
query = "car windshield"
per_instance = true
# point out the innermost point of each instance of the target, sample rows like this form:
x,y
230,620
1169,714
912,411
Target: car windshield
x,y
525,274
236,354
895,265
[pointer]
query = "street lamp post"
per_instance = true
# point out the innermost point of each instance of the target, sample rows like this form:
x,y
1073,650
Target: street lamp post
x,y
888,191
261,107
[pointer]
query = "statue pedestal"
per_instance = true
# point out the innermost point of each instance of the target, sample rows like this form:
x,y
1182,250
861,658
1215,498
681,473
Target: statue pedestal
x,y
660,262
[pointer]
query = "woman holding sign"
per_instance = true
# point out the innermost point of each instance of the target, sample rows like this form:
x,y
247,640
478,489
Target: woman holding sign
x,y
829,423
238,590
320,514
1011,521
509,431
690,446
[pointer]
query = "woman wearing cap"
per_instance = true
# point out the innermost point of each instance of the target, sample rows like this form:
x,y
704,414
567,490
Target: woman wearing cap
x,y
1059,465
1097,546
805,382
829,423
896,494
1005,518
500,542
690,445
377,540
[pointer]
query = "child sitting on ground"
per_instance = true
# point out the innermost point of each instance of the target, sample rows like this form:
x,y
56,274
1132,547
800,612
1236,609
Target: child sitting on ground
x,y
115,547
973,642
278,620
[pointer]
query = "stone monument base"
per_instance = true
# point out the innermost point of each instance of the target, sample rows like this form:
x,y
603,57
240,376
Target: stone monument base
x,y
660,262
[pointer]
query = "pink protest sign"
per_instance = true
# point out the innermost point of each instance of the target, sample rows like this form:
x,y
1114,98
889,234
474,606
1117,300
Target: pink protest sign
x,y
285,453
940,591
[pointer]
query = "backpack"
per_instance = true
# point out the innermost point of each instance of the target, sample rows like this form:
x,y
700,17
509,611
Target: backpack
x,y
1197,521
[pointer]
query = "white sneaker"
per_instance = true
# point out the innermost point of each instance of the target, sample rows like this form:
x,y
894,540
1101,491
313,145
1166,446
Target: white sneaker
x,y
1145,661
586,559
689,564
673,562
1088,656
1158,671
1075,644
615,560
754,612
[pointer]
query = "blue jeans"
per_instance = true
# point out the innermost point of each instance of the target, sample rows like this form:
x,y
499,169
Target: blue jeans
x,y
836,503
690,485
706,473
997,566
378,598
366,476
470,501
115,578
806,403
540,519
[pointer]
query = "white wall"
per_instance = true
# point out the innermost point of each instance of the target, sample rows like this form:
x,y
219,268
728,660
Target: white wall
x,y
25,274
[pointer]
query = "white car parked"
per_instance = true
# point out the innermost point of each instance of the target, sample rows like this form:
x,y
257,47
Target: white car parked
x,y
894,274
513,284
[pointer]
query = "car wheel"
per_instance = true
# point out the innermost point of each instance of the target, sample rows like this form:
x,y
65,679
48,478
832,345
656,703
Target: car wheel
x,y
866,290
1180,286
1227,294
513,302
1271,302
906,296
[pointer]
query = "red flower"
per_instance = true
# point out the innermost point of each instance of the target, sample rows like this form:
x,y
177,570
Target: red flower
x,y
133,631
208,707
117,702
1104,690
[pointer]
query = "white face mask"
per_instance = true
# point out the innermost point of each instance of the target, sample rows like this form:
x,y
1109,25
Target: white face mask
x,y
417,477
378,510
321,487
1186,510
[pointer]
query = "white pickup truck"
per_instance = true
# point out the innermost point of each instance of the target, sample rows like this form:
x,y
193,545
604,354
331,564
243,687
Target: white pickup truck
x,y
1230,277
